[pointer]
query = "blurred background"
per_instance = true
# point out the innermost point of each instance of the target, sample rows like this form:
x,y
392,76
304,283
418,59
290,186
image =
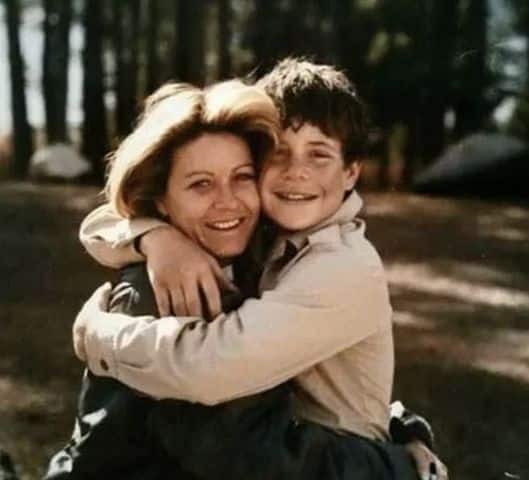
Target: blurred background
x,y
445,185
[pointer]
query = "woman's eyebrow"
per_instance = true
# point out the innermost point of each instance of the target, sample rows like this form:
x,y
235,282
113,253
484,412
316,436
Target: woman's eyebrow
x,y
244,165
198,172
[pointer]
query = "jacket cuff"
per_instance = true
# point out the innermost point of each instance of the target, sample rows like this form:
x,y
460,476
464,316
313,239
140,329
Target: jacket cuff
x,y
99,344
406,426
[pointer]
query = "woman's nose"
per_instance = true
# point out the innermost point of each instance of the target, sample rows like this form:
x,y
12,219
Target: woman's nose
x,y
226,198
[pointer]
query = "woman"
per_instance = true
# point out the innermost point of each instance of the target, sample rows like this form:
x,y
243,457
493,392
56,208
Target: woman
x,y
308,438
191,137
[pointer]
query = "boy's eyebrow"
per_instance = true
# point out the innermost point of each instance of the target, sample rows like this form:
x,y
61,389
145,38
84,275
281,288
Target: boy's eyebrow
x,y
319,143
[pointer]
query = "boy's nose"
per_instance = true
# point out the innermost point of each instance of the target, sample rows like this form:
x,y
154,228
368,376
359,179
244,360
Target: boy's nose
x,y
296,171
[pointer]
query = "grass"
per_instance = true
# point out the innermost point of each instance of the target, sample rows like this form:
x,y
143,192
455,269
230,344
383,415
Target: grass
x,y
459,275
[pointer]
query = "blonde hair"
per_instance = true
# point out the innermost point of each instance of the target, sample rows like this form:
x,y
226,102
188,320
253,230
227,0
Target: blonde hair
x,y
173,115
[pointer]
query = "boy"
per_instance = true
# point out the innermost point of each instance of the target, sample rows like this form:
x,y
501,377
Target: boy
x,y
324,298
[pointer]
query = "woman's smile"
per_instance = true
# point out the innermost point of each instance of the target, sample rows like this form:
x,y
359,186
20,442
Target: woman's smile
x,y
212,195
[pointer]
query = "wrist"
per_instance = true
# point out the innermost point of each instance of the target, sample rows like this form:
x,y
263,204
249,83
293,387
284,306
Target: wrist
x,y
148,240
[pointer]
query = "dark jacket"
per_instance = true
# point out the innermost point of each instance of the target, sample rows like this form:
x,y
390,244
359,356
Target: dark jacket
x,y
121,433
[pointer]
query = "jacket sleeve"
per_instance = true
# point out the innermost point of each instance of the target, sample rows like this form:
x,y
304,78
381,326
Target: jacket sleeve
x,y
109,238
307,319
110,437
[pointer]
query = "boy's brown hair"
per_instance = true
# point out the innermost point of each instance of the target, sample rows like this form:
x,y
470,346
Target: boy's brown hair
x,y
322,96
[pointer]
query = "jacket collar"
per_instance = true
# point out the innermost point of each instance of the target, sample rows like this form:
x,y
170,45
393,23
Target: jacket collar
x,y
327,231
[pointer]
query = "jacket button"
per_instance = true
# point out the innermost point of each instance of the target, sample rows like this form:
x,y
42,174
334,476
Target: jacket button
x,y
104,364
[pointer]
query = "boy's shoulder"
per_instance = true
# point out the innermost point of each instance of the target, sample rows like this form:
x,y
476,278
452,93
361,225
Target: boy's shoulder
x,y
345,242
335,261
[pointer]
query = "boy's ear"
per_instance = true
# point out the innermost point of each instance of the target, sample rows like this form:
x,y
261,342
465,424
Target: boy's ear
x,y
352,172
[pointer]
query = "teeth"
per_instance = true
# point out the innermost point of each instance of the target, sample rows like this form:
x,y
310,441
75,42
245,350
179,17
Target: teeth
x,y
226,225
295,196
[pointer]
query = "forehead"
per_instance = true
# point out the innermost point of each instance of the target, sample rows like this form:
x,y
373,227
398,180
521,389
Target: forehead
x,y
306,134
212,151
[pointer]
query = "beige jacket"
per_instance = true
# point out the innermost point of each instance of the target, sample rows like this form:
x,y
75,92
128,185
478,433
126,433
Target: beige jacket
x,y
323,319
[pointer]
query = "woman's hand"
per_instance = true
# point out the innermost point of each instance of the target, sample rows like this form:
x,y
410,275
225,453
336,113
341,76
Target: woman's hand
x,y
179,270
97,304
429,467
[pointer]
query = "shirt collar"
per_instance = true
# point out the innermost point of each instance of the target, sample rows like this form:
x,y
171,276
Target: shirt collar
x,y
327,230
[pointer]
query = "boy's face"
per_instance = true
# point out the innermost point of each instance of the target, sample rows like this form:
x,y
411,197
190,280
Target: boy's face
x,y
304,180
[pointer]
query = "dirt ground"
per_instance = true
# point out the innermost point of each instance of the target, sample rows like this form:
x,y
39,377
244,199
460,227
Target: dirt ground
x,y
459,274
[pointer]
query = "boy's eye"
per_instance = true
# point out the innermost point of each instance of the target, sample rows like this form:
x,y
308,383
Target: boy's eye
x,y
278,156
320,158
320,154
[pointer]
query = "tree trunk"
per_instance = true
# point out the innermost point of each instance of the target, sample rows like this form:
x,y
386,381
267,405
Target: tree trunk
x,y
126,15
190,41
22,135
224,17
440,76
57,19
153,63
471,107
94,144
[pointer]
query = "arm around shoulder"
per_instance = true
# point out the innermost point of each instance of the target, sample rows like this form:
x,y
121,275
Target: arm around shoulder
x,y
109,238
313,314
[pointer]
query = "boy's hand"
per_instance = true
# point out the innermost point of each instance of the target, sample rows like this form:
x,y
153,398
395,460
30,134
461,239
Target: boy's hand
x,y
95,305
179,270
428,465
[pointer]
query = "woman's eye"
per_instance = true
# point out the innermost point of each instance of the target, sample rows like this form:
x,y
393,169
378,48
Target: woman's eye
x,y
200,184
246,176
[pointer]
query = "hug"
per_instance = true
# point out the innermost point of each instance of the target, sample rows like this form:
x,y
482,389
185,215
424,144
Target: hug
x,y
249,335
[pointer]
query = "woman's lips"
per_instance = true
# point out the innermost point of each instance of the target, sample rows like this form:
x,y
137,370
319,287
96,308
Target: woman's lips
x,y
225,225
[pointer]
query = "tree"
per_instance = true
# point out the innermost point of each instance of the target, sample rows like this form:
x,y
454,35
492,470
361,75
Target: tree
x,y
519,124
126,17
22,136
94,142
224,15
439,83
57,19
189,59
153,61
473,75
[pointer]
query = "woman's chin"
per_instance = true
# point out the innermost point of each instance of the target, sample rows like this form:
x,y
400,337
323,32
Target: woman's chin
x,y
227,253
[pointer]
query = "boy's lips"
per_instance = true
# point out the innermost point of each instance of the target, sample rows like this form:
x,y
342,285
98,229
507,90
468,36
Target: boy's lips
x,y
292,196
225,225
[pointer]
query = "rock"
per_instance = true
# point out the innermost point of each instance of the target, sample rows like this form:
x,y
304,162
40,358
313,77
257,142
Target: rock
x,y
58,162
486,164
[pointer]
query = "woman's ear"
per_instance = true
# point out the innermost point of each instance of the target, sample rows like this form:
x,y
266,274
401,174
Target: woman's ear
x,y
160,206
352,172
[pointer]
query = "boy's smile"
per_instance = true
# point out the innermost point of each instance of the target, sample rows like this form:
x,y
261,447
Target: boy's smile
x,y
304,180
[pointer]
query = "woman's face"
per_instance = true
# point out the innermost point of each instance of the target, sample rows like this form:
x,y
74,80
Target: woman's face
x,y
211,193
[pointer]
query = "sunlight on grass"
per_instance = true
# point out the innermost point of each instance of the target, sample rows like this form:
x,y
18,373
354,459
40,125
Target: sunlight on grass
x,y
423,278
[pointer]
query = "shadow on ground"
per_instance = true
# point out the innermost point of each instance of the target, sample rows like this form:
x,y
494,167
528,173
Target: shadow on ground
x,y
459,273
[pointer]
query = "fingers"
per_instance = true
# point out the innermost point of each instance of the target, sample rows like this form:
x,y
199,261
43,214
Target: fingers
x,y
211,292
224,282
193,305
102,296
438,470
163,301
78,335
429,467
97,302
